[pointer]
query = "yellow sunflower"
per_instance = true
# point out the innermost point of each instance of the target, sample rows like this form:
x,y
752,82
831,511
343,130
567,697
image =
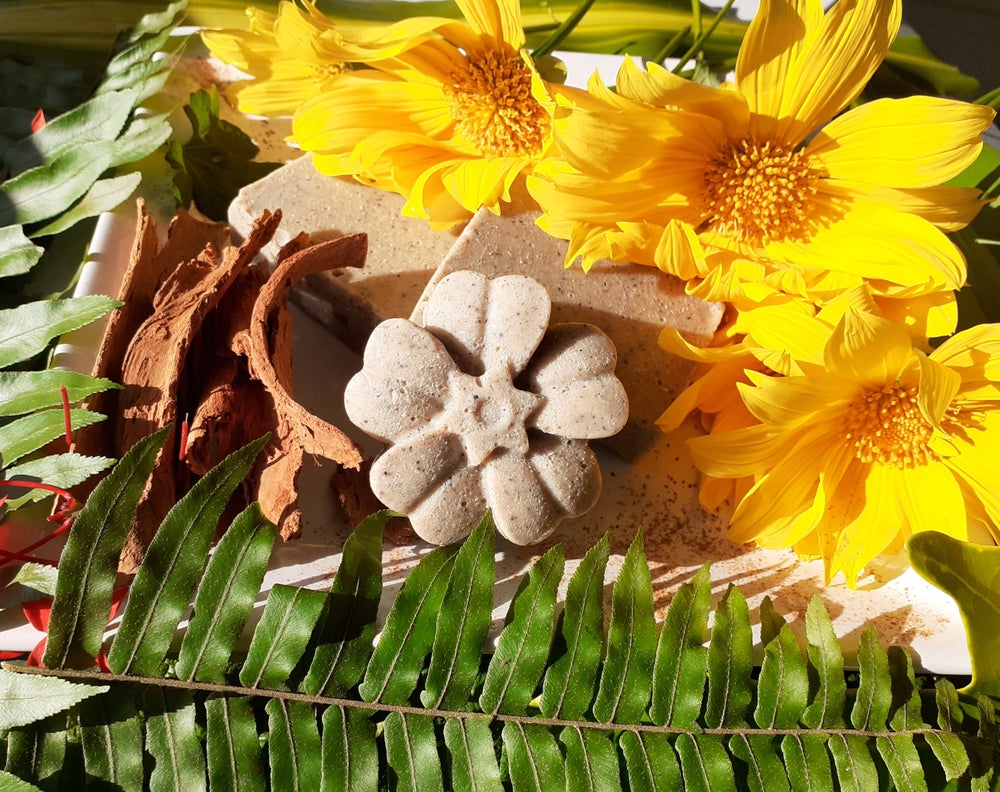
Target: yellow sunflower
x,y
780,340
449,123
882,442
781,195
293,54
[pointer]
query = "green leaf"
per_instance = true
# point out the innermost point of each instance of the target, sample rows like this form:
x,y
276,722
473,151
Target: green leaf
x,y
681,656
28,698
141,52
705,765
522,648
950,752
27,330
765,770
350,755
911,54
25,391
473,760
18,254
50,189
346,631
970,574
59,470
624,688
212,166
226,596
783,684
293,746
153,22
650,762
905,705
281,636
853,761
406,638
232,751
99,119
170,570
591,760
143,136
826,663
874,697
103,196
571,679
172,741
39,753
901,758
807,761
148,75
89,562
729,663
463,621
411,750
112,741
11,783
533,756
24,435
40,577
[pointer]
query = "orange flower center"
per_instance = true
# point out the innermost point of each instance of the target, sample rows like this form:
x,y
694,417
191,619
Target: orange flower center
x,y
886,426
321,72
491,102
760,192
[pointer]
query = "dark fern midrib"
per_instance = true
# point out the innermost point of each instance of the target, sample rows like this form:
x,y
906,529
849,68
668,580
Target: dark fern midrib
x,y
285,695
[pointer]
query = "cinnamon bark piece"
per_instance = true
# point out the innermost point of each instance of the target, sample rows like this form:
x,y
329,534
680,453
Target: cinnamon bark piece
x,y
267,347
403,251
149,265
155,361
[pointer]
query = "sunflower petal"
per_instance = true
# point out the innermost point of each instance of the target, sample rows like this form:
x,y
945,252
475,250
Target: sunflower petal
x,y
917,141
772,44
743,452
870,518
931,499
822,66
868,349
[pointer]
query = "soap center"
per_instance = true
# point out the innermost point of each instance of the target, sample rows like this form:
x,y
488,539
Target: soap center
x,y
488,413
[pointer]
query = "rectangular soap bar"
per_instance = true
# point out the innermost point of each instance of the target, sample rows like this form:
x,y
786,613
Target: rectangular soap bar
x,y
630,303
402,252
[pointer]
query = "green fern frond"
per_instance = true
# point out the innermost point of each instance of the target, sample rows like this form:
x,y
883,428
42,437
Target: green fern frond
x,y
602,700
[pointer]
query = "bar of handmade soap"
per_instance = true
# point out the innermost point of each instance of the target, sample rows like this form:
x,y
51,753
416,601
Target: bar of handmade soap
x,y
402,252
630,303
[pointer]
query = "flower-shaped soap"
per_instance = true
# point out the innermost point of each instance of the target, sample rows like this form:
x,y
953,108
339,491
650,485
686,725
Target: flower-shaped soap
x,y
486,406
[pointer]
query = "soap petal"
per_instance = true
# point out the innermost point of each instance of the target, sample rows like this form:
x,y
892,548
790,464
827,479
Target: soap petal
x,y
488,324
569,471
531,495
451,510
407,474
573,369
523,510
403,384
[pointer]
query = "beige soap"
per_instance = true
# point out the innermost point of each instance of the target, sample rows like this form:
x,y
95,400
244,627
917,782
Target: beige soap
x,y
402,252
630,303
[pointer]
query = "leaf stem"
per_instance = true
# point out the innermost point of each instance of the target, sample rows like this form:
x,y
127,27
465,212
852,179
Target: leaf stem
x,y
565,28
669,47
83,675
701,38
